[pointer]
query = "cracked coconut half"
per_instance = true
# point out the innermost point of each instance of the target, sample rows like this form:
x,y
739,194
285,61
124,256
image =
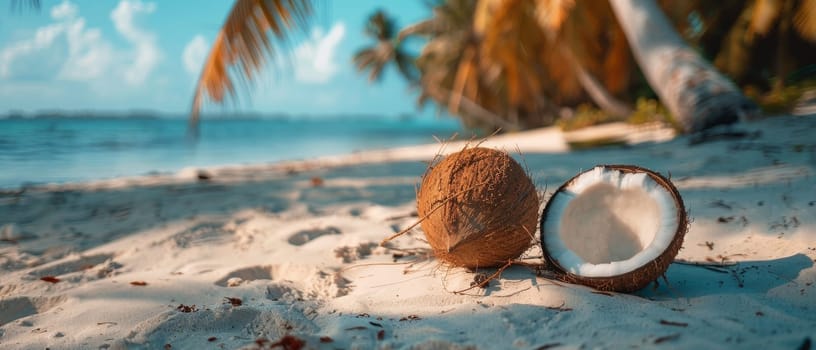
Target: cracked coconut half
x,y
614,228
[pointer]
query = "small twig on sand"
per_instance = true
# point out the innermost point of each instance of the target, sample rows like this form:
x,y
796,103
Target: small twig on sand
x,y
411,251
487,280
412,214
374,264
559,308
527,264
719,267
705,263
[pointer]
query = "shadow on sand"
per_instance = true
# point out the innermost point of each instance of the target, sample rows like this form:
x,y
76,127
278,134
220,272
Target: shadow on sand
x,y
746,277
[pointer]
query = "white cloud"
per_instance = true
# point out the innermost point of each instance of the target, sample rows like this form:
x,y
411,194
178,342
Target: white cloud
x,y
89,55
66,9
147,53
314,59
43,38
195,52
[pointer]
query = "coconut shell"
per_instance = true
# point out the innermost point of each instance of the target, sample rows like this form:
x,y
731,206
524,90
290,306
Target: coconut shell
x,y
480,208
637,278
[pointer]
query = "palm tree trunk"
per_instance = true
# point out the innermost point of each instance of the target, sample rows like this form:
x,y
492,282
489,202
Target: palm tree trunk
x,y
691,88
596,91
475,110
600,95
472,109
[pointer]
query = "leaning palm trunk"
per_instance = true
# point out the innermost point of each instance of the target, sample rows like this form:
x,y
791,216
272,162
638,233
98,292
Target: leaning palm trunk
x,y
594,89
598,93
473,109
691,88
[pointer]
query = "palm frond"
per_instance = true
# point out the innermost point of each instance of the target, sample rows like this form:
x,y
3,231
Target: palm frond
x,y
370,59
21,4
464,72
764,16
426,28
363,58
375,73
245,42
406,65
551,14
805,20
380,27
617,65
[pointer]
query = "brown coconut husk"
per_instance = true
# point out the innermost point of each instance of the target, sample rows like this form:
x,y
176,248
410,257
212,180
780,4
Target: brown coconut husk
x,y
478,208
637,278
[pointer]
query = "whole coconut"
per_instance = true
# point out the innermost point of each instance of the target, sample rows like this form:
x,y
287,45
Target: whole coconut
x,y
480,208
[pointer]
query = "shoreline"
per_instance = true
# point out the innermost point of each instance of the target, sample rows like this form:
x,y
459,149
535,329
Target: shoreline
x,y
542,140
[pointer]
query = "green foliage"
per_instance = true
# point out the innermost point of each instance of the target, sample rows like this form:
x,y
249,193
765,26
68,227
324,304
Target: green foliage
x,y
646,111
650,110
585,115
386,50
781,99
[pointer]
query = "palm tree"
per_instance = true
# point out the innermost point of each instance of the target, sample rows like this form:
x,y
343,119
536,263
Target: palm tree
x,y
490,63
246,42
590,40
448,65
562,50
507,60
690,87
518,63
778,36
387,49
487,74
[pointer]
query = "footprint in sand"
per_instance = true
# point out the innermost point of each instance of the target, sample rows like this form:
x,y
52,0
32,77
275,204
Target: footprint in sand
x,y
201,234
64,267
247,274
283,291
351,254
17,308
307,281
305,236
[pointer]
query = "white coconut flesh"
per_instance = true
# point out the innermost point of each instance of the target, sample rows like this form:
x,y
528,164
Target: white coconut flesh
x,y
607,222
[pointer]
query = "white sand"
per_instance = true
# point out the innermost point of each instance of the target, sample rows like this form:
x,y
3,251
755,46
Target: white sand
x,y
303,260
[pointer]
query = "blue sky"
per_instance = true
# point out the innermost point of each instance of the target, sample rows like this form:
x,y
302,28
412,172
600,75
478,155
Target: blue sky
x,y
140,54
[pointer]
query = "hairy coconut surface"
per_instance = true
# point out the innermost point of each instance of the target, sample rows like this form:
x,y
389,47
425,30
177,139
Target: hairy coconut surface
x,y
614,227
481,208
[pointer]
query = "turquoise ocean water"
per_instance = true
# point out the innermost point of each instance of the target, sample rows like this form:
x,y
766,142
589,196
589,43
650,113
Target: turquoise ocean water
x,y
48,150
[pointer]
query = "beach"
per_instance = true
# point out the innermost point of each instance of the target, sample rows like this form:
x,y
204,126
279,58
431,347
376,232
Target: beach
x,y
288,253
